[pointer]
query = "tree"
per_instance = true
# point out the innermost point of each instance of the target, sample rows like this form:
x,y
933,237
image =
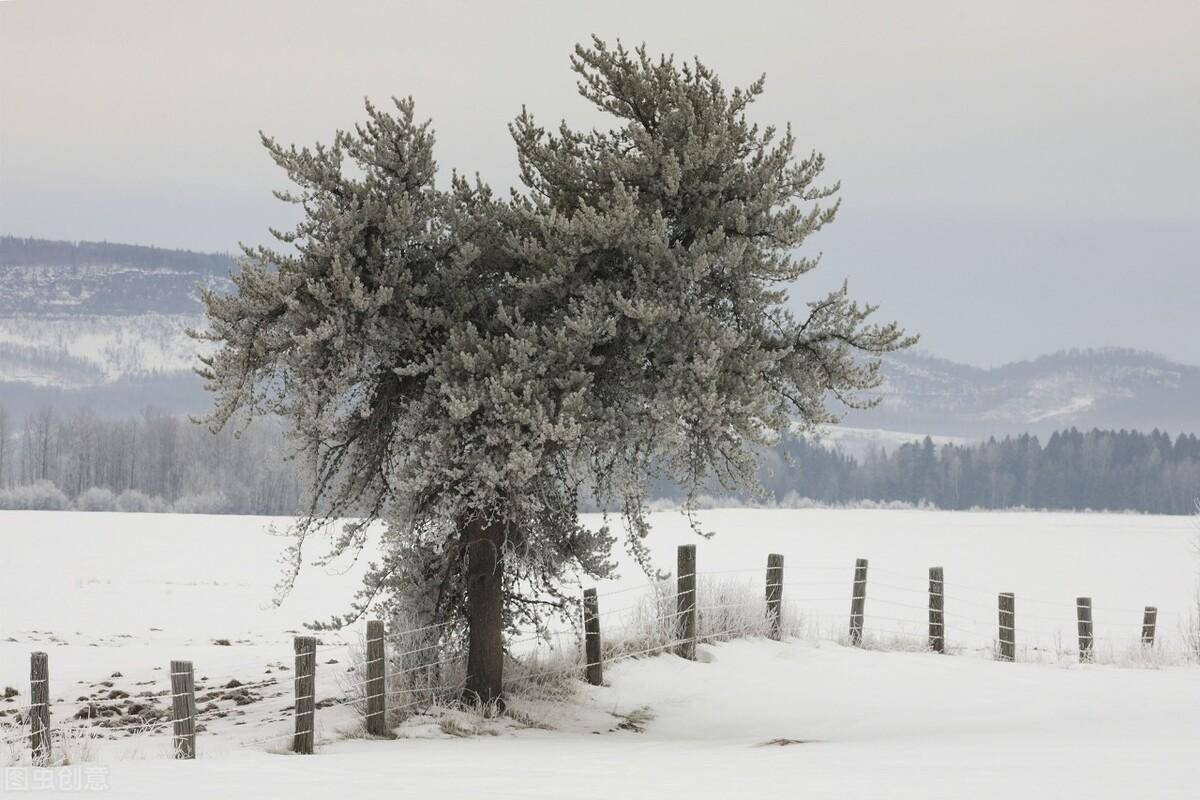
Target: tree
x,y
467,367
39,430
5,446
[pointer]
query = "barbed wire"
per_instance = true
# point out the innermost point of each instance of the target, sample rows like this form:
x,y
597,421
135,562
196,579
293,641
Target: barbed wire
x,y
954,627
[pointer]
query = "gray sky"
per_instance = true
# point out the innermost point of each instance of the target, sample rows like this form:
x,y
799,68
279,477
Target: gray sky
x,y
1017,177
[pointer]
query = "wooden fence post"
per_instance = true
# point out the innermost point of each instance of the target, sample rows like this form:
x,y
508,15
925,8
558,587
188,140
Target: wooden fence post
x,y
775,595
937,606
183,708
1008,627
306,691
1083,614
858,602
1149,620
376,679
685,600
39,708
594,668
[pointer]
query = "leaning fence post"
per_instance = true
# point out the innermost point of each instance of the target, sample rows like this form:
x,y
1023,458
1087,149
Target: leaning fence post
x,y
594,668
376,680
937,604
39,707
1008,626
858,602
1083,614
775,595
306,690
1149,620
685,603
183,708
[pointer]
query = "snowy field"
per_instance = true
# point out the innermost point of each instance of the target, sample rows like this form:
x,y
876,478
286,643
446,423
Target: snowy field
x,y
114,593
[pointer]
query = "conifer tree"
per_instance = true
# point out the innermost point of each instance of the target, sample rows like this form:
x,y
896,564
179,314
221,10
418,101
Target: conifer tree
x,y
466,367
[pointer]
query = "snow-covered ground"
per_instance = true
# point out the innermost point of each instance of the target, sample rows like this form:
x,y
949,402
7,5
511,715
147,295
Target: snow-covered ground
x,y
106,593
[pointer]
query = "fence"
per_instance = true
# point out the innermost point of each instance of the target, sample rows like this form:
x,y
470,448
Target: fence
x,y
941,617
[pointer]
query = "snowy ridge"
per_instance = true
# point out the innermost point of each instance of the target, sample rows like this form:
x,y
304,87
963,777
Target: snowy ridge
x,y
87,350
42,277
857,442
100,288
83,316
1107,388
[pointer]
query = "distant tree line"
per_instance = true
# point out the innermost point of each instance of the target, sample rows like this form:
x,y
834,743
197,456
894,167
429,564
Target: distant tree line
x,y
153,462
162,462
25,251
1100,470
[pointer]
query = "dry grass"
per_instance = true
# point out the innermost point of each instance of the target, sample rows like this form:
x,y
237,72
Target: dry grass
x,y
422,672
70,743
727,608
13,743
73,743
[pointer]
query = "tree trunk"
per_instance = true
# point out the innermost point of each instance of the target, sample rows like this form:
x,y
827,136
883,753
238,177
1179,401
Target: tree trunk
x,y
483,542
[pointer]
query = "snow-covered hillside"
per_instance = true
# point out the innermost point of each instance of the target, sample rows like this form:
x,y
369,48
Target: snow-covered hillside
x,y
47,278
85,316
106,593
1108,388
857,442
82,322
88,350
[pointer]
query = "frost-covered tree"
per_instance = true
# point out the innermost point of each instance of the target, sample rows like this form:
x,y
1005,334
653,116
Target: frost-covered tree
x,y
466,367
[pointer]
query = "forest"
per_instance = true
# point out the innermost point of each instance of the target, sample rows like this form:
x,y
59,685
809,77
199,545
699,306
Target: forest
x,y
1099,470
152,462
16,251
162,462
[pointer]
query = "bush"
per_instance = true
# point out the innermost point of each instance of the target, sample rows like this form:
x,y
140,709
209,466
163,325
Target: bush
x,y
37,496
206,503
96,499
134,502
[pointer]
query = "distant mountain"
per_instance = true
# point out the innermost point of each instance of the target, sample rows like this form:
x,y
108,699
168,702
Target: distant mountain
x,y
858,442
1107,388
48,279
102,325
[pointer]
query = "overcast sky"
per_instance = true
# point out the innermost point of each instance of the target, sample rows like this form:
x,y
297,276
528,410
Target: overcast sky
x,y
1017,178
